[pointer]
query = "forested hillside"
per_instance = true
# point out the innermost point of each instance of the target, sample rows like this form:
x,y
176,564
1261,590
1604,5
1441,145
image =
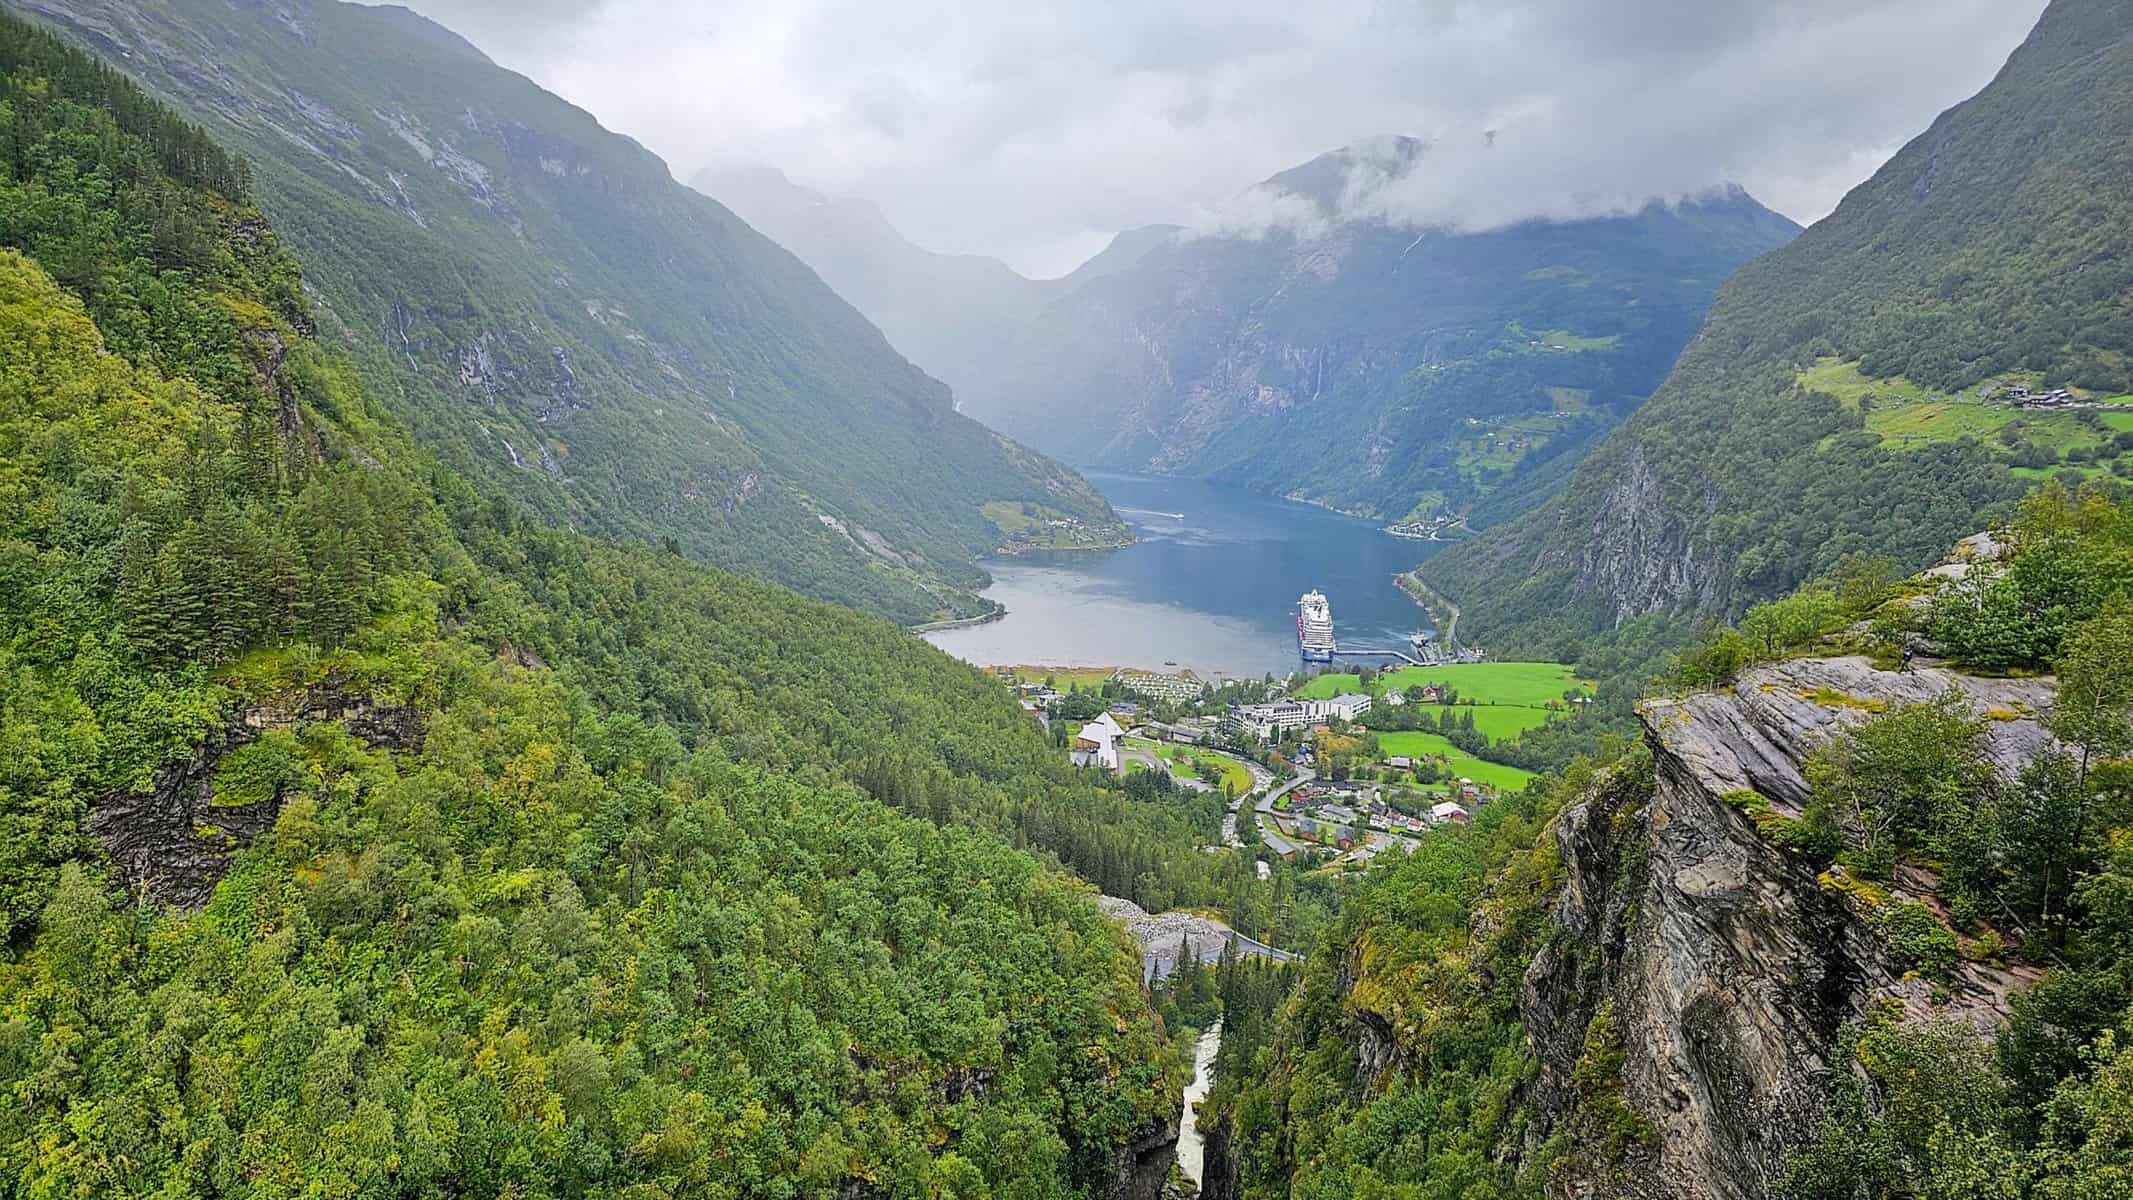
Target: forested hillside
x,y
554,316
1365,363
365,834
1854,391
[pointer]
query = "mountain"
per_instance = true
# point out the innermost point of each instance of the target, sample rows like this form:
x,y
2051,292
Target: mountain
x,y
954,314
1383,369
1855,391
551,311
366,834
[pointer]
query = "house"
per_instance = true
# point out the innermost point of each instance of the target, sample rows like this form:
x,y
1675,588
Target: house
x,y
1277,843
1400,762
1432,694
1394,698
1449,811
1097,744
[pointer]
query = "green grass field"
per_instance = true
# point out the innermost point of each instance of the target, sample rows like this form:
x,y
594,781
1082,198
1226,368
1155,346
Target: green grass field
x,y
1459,762
1908,416
1526,683
1061,677
1836,377
1234,774
1497,721
1563,339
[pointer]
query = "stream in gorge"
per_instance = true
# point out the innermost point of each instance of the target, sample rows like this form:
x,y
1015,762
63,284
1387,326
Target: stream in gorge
x,y
1192,1148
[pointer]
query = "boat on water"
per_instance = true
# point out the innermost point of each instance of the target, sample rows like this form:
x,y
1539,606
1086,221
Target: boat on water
x,y
1314,627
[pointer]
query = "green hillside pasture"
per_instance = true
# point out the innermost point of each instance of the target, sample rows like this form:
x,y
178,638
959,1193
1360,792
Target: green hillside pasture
x,y
1498,721
1908,416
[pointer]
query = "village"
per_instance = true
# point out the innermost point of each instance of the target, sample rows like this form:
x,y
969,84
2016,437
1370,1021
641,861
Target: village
x,y
1333,768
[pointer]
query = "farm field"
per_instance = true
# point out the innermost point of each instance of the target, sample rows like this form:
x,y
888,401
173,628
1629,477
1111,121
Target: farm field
x,y
1909,416
1495,721
1459,762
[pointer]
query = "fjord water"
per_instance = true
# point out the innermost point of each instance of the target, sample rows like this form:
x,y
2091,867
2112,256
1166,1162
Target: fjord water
x,y
1211,584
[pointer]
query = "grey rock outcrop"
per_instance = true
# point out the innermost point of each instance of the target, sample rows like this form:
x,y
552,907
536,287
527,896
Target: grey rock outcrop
x,y
1639,555
1142,1165
1729,968
174,842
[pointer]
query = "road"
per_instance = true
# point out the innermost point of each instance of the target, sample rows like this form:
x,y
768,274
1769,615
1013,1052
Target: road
x,y
1247,945
1261,779
1266,802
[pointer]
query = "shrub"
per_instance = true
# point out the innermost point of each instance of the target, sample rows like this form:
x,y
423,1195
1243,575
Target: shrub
x,y
1917,939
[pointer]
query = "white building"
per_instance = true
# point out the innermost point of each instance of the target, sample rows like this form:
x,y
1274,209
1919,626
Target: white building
x,y
1346,707
1449,811
1267,721
1097,744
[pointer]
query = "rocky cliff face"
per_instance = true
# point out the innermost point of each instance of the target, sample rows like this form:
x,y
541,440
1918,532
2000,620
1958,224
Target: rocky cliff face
x,y
174,841
1640,556
1726,966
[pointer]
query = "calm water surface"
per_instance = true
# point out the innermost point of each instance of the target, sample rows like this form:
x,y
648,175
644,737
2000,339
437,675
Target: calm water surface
x,y
1211,584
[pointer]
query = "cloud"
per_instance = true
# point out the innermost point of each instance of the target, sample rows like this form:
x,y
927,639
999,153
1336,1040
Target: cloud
x,y
1026,130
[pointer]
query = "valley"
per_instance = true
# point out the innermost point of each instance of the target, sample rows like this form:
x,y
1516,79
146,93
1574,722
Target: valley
x,y
1557,683
1346,363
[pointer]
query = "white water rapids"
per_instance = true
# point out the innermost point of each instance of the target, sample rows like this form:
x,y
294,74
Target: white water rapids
x,y
1192,1149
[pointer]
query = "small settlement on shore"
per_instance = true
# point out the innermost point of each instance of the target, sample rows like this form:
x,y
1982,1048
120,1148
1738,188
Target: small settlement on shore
x,y
1340,766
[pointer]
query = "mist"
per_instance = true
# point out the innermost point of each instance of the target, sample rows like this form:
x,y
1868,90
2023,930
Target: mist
x,y
1033,132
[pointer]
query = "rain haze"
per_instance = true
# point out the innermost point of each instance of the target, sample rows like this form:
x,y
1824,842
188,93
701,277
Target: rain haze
x,y
1033,132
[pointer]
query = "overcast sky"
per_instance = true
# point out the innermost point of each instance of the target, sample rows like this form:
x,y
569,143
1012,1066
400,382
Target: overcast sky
x,y
1033,129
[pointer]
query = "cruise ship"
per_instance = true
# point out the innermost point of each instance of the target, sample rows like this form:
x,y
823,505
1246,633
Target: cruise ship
x,y
1314,627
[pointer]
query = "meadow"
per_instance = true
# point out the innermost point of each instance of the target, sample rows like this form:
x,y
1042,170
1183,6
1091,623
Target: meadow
x,y
1459,762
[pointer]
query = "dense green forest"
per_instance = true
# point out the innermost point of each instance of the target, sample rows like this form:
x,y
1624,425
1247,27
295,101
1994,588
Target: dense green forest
x,y
556,318
364,834
1991,250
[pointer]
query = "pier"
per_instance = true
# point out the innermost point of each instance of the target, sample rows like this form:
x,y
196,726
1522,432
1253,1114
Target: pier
x,y
1410,660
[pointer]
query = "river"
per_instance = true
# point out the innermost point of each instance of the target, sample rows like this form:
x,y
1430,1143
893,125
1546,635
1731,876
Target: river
x,y
1192,1148
1211,584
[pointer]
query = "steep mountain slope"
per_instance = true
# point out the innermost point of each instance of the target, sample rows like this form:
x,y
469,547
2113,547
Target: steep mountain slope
x,y
1842,395
1368,365
1847,927
366,836
547,307
954,314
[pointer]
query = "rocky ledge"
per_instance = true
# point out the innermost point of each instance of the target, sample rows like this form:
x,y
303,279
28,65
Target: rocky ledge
x,y
1727,966
1757,735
